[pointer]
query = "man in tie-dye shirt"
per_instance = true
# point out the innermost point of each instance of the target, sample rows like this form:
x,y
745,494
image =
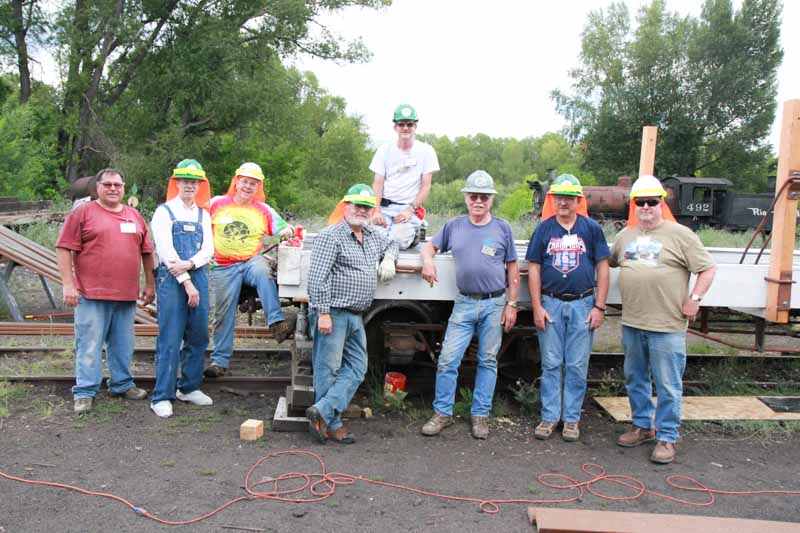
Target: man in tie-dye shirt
x,y
240,220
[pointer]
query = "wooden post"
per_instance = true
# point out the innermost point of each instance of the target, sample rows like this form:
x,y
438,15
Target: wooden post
x,y
647,161
785,218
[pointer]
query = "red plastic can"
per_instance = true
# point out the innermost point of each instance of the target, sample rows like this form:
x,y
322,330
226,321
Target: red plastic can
x,y
298,232
394,381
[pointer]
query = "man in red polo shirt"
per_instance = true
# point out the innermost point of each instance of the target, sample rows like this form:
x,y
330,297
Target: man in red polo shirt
x,y
100,250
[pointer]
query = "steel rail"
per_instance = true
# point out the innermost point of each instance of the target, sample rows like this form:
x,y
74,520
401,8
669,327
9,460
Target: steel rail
x,y
141,330
271,384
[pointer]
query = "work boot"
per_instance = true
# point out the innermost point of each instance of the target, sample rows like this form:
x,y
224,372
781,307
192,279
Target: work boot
x,y
436,424
316,425
134,393
636,437
82,405
341,436
214,371
281,330
571,432
663,453
480,427
544,430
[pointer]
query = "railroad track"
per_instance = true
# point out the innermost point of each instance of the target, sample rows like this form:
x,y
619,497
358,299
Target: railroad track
x,y
240,385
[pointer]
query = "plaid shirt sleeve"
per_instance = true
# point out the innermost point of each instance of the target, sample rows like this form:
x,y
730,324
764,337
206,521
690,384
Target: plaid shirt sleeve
x,y
323,257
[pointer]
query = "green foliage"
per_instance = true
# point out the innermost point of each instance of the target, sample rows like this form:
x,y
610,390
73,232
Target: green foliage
x,y
463,406
708,84
28,147
519,202
394,401
10,394
527,394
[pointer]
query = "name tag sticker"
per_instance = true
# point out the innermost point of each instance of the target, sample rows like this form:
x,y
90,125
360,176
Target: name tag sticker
x,y
488,250
188,227
410,162
569,240
224,220
127,227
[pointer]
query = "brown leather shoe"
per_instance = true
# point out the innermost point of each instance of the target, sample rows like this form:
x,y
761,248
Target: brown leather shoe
x,y
480,427
436,424
341,436
663,453
636,437
214,371
281,330
316,425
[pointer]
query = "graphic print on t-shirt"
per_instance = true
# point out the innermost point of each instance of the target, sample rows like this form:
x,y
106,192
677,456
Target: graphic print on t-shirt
x,y
644,250
566,252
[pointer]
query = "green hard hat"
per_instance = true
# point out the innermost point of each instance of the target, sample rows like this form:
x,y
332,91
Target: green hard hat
x,y
189,169
566,185
405,112
360,194
480,182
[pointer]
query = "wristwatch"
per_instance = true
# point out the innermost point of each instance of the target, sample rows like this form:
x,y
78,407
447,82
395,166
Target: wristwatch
x,y
695,297
513,304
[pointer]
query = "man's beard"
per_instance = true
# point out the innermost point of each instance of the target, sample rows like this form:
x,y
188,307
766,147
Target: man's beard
x,y
356,221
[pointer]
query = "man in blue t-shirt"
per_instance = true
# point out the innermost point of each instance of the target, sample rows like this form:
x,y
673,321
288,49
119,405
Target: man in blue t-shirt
x,y
567,252
486,267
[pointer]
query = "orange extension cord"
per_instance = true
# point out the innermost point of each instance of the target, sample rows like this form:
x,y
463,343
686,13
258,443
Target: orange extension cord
x,y
322,485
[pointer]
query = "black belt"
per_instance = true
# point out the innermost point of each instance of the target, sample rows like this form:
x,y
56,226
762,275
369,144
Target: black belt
x,y
385,202
483,295
569,297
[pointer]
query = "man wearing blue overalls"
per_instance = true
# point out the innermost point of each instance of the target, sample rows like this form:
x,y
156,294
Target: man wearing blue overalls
x,y
182,234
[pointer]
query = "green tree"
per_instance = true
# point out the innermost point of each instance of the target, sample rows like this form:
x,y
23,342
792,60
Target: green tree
x,y
707,83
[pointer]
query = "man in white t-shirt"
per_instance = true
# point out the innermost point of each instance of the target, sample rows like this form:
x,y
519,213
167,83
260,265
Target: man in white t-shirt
x,y
403,172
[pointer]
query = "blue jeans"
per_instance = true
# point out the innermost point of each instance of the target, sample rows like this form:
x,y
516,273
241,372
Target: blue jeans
x,y
339,360
565,345
227,283
403,233
101,323
663,354
182,334
470,317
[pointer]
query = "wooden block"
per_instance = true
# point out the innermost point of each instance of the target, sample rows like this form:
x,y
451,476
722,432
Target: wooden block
x,y
281,421
251,429
367,412
549,520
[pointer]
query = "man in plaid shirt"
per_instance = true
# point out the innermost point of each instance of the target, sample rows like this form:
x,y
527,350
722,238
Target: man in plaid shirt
x,y
341,285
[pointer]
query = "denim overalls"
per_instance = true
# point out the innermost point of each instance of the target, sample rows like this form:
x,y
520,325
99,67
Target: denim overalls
x,y
182,330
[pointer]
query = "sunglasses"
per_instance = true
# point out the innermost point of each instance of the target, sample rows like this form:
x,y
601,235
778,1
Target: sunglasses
x,y
482,197
650,202
111,185
405,124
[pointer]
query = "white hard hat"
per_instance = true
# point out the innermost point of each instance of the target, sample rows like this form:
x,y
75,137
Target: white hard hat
x,y
647,186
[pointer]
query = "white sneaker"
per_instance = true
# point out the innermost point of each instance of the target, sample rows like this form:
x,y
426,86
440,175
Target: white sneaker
x,y
195,397
162,408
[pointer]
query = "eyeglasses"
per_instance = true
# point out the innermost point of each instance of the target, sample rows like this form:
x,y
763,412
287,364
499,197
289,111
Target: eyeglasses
x,y
362,207
111,185
651,202
405,124
482,197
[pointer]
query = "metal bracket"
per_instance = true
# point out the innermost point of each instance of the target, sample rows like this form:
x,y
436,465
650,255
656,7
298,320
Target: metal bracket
x,y
784,289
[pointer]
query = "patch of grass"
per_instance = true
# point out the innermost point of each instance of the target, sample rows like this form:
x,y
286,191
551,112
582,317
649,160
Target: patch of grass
x,y
45,408
415,414
463,406
763,432
11,393
609,385
208,472
104,410
44,233
168,463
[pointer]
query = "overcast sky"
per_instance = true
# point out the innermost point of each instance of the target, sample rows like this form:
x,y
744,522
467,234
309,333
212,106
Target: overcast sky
x,y
479,66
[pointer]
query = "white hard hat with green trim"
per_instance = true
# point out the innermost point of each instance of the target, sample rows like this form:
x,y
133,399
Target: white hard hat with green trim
x,y
566,185
647,186
479,182
250,170
360,194
189,169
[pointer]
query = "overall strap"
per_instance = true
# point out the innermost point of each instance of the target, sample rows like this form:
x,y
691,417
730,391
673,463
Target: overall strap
x,y
171,215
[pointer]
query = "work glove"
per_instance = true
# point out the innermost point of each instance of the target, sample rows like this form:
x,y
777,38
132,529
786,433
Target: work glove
x,y
386,270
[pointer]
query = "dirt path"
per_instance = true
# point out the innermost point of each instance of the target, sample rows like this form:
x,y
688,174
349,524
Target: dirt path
x,y
193,462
